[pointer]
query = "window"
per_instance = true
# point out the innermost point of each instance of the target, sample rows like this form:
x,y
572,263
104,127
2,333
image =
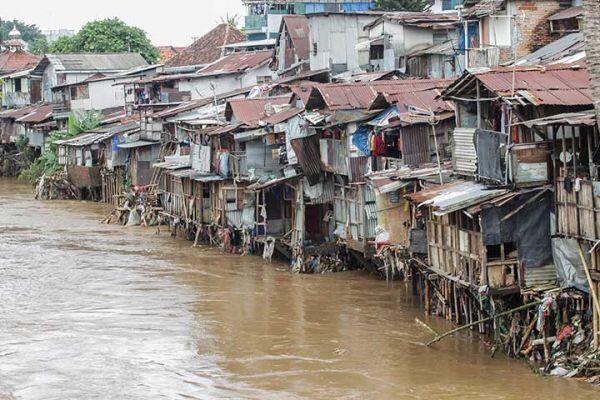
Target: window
x,y
80,92
263,79
18,87
377,52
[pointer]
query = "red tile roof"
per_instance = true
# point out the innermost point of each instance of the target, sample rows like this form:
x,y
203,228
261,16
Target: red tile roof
x,y
208,48
14,61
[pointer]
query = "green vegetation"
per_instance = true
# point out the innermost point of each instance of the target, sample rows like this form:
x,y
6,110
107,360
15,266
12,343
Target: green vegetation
x,y
29,33
39,46
47,163
107,36
400,5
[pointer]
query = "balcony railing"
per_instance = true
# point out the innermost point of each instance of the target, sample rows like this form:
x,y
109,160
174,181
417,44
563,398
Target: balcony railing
x,y
61,106
16,99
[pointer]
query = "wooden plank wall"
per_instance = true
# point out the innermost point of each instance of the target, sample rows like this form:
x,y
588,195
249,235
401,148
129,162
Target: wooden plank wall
x,y
578,212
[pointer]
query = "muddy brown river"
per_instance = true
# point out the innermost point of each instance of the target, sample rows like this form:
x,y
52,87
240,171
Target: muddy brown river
x,y
89,311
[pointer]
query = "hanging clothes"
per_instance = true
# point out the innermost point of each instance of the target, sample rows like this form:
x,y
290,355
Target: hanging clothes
x,y
379,148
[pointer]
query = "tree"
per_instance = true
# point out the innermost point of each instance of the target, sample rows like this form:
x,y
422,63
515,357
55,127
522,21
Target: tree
x,y
39,46
592,41
64,44
107,36
401,5
29,32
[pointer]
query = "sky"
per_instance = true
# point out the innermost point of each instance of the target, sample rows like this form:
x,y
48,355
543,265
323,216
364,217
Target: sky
x,y
170,22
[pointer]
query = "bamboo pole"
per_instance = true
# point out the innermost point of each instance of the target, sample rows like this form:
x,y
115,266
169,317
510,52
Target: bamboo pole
x,y
453,331
589,279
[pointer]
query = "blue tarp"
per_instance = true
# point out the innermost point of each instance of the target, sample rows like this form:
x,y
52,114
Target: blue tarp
x,y
360,139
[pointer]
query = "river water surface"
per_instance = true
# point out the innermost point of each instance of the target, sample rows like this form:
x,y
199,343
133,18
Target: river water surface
x,y
89,311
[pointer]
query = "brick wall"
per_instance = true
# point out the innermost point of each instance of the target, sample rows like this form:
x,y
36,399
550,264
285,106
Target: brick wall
x,y
533,25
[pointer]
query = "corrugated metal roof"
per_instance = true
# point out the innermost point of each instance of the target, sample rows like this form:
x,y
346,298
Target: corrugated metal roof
x,y
485,7
549,85
562,48
571,12
351,96
96,61
297,28
580,118
419,19
283,116
459,195
251,111
39,113
237,62
138,143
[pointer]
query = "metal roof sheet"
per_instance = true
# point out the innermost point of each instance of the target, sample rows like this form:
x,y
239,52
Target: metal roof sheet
x,y
139,143
571,12
250,111
459,195
237,62
96,61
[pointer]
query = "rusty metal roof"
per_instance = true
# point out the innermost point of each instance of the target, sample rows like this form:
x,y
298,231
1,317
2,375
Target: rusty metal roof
x,y
297,28
236,63
571,12
419,19
41,113
425,99
560,85
361,95
485,7
251,111
283,116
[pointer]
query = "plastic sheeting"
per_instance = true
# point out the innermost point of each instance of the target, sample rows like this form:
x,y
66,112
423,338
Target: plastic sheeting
x,y
489,147
360,139
568,263
529,228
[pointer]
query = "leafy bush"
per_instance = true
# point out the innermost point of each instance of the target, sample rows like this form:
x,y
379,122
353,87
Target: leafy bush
x,y
47,163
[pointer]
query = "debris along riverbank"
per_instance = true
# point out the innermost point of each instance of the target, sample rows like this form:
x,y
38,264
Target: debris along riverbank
x,y
551,328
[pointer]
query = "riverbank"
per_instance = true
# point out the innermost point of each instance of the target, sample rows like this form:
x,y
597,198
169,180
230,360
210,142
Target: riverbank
x,y
125,312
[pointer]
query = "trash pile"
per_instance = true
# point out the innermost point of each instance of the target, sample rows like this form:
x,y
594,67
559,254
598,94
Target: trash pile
x,y
138,207
559,338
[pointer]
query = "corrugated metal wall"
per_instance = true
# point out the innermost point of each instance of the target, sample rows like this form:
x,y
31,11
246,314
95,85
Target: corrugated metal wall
x,y
464,156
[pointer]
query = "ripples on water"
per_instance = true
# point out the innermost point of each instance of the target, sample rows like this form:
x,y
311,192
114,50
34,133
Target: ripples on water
x,y
89,311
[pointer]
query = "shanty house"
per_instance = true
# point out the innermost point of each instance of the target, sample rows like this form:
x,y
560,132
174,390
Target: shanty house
x,y
486,239
67,69
393,37
232,72
292,52
334,38
490,111
492,28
